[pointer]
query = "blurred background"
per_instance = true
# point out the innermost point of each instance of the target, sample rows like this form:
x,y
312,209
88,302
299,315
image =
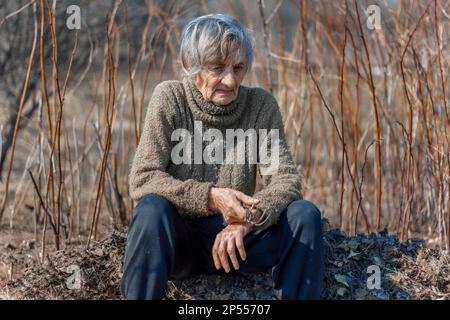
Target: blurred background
x,y
363,87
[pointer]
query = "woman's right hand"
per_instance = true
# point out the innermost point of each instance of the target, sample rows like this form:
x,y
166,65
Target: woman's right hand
x,y
229,203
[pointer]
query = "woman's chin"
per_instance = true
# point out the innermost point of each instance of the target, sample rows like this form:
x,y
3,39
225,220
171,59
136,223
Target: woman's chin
x,y
222,101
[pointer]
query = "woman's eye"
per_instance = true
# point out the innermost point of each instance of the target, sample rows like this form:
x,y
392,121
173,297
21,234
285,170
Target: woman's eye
x,y
238,68
217,69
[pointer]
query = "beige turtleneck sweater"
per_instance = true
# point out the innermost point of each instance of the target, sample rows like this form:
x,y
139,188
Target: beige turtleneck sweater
x,y
177,104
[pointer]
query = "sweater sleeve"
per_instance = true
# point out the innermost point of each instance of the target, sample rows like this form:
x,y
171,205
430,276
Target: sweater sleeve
x,y
281,180
148,171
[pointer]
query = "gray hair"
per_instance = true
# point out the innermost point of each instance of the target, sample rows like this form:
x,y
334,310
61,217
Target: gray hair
x,y
213,38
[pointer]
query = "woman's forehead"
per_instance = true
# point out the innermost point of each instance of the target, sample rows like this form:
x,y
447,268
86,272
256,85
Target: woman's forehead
x,y
233,58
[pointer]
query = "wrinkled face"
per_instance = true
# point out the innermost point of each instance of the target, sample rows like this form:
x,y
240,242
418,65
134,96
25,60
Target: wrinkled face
x,y
219,82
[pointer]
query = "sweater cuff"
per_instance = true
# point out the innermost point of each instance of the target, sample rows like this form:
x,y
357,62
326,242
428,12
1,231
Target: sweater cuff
x,y
200,197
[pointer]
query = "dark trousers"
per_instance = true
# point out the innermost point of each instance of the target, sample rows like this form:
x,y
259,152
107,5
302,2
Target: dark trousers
x,y
162,244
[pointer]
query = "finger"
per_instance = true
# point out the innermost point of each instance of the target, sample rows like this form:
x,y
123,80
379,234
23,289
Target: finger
x,y
256,215
241,248
231,216
223,256
231,250
240,213
245,198
234,217
235,213
215,253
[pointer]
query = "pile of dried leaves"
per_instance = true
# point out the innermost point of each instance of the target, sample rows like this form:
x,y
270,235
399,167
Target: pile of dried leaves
x,y
408,271
99,268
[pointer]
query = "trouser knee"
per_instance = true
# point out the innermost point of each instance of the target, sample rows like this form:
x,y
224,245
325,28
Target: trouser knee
x,y
304,215
151,212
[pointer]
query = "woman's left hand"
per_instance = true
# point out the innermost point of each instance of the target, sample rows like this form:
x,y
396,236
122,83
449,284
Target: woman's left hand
x,y
230,238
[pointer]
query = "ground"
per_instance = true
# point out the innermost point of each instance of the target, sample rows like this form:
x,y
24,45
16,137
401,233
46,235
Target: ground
x,y
410,270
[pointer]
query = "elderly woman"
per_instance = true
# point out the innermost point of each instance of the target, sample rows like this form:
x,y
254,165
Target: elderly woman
x,y
198,213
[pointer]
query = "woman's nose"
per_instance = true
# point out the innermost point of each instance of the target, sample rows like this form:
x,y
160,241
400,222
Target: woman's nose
x,y
229,78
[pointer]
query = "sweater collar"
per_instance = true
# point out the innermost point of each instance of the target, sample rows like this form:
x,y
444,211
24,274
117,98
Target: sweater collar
x,y
207,112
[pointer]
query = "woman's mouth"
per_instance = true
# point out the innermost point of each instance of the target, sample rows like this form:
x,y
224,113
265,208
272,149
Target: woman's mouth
x,y
222,91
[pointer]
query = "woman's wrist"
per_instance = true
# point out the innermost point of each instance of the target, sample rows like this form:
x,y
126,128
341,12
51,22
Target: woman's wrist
x,y
248,227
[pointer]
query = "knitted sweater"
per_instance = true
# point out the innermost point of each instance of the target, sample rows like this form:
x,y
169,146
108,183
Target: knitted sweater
x,y
180,105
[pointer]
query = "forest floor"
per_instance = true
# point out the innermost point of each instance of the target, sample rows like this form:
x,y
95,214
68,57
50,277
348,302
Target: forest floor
x,y
408,270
